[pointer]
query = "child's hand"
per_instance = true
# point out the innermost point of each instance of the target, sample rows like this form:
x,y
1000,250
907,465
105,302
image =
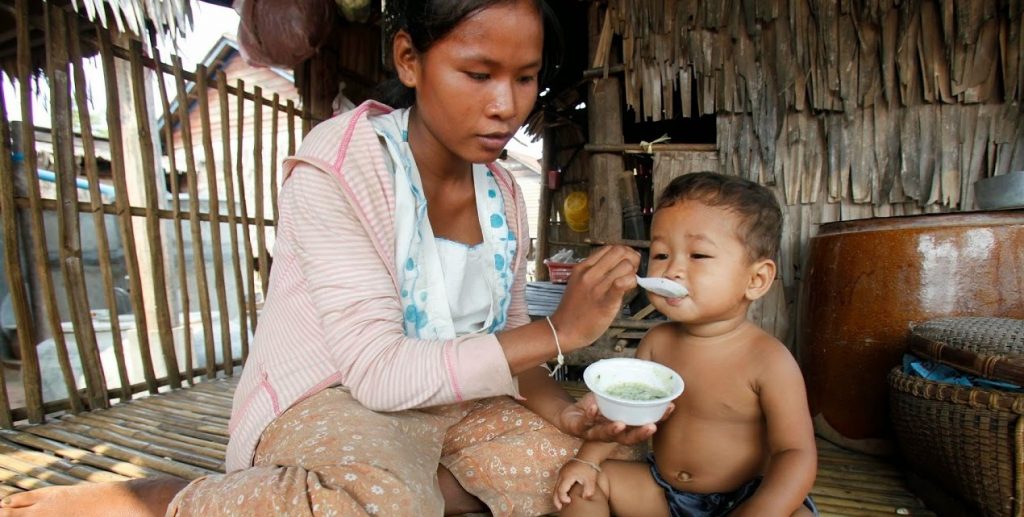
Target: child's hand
x,y
574,472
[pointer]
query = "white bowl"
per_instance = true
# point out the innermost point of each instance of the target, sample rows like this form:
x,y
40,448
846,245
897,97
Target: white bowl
x,y
609,373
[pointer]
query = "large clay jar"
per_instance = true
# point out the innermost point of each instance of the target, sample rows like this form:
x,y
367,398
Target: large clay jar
x,y
868,280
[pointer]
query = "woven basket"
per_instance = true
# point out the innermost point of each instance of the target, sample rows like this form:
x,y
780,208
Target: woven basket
x,y
968,440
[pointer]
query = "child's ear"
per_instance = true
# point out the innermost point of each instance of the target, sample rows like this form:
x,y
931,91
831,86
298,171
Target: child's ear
x,y
762,274
405,58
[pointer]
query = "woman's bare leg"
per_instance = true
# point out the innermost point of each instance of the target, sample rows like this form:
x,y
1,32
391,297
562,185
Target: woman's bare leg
x,y
137,497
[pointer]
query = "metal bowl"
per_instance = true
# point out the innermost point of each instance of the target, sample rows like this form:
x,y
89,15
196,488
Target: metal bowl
x,y
999,192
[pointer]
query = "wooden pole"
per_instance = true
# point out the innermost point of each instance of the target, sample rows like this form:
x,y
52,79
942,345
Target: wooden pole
x,y
147,142
198,258
12,259
29,359
176,212
69,230
273,156
261,230
240,170
229,187
117,164
218,256
96,205
604,108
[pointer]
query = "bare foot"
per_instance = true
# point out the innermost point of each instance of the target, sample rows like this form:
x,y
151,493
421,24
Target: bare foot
x,y
134,498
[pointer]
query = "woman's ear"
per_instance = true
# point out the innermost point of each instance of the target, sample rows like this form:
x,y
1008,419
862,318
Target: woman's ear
x,y
762,274
405,59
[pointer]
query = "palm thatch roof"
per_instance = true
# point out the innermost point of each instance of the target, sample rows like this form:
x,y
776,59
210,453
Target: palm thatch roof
x,y
136,17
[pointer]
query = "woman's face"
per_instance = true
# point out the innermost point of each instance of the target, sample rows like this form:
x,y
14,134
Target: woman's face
x,y
476,85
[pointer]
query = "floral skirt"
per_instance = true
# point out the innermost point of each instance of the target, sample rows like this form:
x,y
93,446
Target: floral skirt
x,y
329,455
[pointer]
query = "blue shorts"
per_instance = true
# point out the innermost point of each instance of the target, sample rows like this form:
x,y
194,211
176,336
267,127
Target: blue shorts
x,y
689,504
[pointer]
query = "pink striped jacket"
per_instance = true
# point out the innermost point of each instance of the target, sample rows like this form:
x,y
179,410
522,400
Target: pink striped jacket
x,y
332,314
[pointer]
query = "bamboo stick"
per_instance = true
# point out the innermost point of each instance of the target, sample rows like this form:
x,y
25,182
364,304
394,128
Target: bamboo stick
x,y
12,260
261,235
273,156
240,171
229,187
8,490
144,442
156,251
29,359
96,205
215,242
123,205
158,415
198,258
177,217
69,230
22,481
183,408
168,215
114,450
141,430
176,428
79,455
27,461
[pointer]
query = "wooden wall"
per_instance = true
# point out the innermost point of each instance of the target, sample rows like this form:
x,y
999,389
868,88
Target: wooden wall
x,y
847,109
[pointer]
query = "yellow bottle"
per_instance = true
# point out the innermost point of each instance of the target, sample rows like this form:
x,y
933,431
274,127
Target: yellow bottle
x,y
577,212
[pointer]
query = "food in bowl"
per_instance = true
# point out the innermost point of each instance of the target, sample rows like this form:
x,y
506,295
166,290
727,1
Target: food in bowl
x,y
632,391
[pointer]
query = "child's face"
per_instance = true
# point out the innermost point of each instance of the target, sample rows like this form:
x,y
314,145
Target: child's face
x,y
476,85
699,246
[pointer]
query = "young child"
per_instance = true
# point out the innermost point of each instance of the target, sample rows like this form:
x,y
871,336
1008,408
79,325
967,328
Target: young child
x,y
740,440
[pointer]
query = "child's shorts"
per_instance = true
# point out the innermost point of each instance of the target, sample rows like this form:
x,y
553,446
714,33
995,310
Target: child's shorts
x,y
685,504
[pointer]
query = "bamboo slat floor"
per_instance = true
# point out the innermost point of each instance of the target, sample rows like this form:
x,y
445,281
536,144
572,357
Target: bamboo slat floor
x,y
183,433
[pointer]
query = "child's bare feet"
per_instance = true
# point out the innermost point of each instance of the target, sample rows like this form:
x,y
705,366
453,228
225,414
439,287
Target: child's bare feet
x,y
138,497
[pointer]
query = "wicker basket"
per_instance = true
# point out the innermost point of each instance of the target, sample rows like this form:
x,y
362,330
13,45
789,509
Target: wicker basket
x,y
969,441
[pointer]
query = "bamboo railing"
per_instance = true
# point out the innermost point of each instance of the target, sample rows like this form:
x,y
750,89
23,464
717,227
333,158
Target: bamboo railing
x,y
156,261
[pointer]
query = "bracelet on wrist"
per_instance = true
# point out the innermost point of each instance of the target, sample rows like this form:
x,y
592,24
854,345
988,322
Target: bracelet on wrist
x,y
591,464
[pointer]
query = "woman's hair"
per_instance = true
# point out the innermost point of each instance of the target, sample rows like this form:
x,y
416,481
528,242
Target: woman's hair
x,y
427,21
761,217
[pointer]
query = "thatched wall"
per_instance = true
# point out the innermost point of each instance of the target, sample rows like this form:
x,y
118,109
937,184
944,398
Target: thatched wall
x,y
846,109
867,101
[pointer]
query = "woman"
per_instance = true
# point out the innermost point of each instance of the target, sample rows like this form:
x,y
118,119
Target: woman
x,y
394,369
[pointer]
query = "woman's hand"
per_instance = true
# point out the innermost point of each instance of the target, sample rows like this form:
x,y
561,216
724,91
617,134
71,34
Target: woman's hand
x,y
583,420
593,297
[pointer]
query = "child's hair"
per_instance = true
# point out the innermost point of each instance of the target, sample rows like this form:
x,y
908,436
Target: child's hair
x,y
761,227
428,21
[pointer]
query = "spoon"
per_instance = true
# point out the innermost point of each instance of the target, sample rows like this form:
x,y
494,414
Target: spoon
x,y
662,287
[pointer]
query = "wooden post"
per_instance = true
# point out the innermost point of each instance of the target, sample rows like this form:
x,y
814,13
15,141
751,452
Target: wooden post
x,y
548,156
243,207
229,187
199,260
118,163
257,156
152,199
96,204
604,107
30,360
12,259
67,200
178,234
203,91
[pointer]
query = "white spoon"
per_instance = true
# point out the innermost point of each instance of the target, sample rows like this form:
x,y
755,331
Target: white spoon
x,y
662,286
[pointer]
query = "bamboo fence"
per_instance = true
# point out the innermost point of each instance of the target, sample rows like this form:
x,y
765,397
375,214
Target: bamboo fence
x,y
175,258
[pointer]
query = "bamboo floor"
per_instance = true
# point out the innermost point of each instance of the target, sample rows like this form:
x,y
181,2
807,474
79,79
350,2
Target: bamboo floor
x,y
183,433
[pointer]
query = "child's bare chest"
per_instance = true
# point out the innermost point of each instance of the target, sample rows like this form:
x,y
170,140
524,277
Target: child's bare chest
x,y
716,390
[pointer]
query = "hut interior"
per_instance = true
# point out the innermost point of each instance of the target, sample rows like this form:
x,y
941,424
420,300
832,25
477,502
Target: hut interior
x,y
130,299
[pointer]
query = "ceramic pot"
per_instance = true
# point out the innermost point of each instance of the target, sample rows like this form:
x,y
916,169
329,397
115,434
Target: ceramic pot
x,y
869,280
